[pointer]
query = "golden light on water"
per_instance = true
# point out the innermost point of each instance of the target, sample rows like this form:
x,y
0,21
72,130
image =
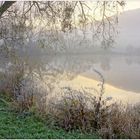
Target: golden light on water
x,y
81,82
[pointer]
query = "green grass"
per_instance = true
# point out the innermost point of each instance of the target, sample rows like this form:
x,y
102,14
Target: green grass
x,y
13,126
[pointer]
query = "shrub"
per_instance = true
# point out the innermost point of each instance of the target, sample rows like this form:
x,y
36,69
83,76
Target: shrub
x,y
122,122
78,110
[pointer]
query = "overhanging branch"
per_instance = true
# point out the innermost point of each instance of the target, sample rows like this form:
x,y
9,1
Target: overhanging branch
x,y
5,6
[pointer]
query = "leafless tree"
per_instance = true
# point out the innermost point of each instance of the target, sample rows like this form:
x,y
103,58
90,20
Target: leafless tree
x,y
59,16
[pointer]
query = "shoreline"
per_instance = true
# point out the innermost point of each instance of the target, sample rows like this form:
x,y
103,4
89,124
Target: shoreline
x,y
116,93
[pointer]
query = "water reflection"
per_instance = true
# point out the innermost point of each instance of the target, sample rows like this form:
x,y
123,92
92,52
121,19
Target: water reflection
x,y
119,71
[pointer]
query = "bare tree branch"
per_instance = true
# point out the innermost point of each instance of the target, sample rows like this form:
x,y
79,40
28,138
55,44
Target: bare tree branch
x,y
5,6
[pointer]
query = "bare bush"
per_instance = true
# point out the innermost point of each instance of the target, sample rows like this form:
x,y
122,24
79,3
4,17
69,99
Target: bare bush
x,y
121,122
78,110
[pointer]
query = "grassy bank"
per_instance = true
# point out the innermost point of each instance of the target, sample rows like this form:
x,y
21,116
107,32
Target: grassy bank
x,y
76,115
15,125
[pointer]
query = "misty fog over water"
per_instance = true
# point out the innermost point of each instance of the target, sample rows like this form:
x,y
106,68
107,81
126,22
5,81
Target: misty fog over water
x,y
119,65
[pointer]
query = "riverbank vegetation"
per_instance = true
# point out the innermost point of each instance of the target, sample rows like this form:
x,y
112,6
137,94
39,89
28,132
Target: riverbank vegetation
x,y
14,125
76,115
27,107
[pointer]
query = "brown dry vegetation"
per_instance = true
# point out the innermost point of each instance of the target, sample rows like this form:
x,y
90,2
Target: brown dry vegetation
x,y
79,110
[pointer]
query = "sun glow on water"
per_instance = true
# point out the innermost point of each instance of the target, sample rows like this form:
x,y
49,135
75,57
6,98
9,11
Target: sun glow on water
x,y
82,82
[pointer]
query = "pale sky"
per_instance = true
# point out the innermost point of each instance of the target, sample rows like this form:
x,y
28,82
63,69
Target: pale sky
x,y
131,5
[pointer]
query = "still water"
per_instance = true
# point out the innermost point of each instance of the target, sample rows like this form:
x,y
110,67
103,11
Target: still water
x,y
78,71
121,73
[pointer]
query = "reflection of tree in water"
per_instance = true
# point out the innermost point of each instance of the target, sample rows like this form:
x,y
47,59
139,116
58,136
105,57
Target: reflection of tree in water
x,y
52,65
129,61
105,64
46,72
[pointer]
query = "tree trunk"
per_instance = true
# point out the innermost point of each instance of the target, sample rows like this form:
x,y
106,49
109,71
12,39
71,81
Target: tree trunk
x,y
5,6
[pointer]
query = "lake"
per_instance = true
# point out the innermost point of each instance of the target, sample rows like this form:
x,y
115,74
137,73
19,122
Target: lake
x,y
120,72
82,71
